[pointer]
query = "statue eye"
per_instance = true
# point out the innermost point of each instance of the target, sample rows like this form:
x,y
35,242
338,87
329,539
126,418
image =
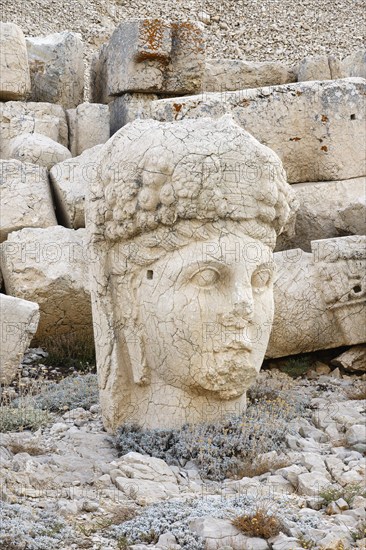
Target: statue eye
x,y
261,278
205,277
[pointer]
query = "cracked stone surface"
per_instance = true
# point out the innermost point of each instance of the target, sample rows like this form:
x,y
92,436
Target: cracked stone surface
x,y
182,289
223,75
18,324
88,126
320,297
14,69
150,56
327,209
50,267
57,68
316,128
26,199
70,181
37,149
17,117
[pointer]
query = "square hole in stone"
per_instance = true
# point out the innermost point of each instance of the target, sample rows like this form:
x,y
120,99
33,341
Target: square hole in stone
x,y
353,117
149,274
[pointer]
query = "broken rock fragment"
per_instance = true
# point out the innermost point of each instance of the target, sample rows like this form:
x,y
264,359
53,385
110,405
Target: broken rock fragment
x,y
18,324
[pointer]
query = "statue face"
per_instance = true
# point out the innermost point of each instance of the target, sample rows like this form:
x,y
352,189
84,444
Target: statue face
x,y
206,312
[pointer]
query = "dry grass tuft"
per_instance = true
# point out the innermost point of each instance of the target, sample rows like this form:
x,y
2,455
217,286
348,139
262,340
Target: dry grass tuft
x,y
24,447
122,514
253,468
357,392
260,524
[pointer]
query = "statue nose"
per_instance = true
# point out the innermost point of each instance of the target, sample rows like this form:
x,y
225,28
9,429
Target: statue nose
x,y
244,309
242,300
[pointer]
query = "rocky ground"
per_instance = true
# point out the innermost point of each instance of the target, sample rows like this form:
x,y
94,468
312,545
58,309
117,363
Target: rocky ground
x,y
246,29
66,484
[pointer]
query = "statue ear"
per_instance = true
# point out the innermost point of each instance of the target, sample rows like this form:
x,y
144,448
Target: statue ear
x,y
136,352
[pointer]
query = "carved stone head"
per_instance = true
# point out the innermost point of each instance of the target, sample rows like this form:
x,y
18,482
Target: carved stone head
x,y
183,219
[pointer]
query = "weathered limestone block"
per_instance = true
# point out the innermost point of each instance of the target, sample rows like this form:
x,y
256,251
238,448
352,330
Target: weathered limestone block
x,y
354,359
70,181
50,267
144,478
336,68
183,321
57,68
352,217
37,149
320,298
88,126
14,68
355,64
18,324
150,56
23,118
314,68
327,209
128,107
317,128
222,75
26,199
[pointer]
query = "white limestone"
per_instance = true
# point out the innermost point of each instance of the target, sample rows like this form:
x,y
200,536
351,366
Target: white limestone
x,y
37,149
57,68
314,68
355,64
152,56
18,324
14,68
223,75
317,128
18,117
88,126
127,107
327,209
26,199
50,266
70,181
320,298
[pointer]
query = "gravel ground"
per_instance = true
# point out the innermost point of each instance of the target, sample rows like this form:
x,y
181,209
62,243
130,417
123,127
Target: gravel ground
x,y
243,29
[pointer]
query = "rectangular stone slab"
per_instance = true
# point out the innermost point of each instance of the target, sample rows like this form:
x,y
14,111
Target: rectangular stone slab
x,y
149,56
327,209
320,297
26,199
50,266
18,117
14,69
318,129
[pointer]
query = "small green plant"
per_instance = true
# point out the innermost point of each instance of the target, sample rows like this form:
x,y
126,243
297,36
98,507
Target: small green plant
x,y
360,532
151,537
71,351
306,542
122,543
22,418
330,494
296,366
259,524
